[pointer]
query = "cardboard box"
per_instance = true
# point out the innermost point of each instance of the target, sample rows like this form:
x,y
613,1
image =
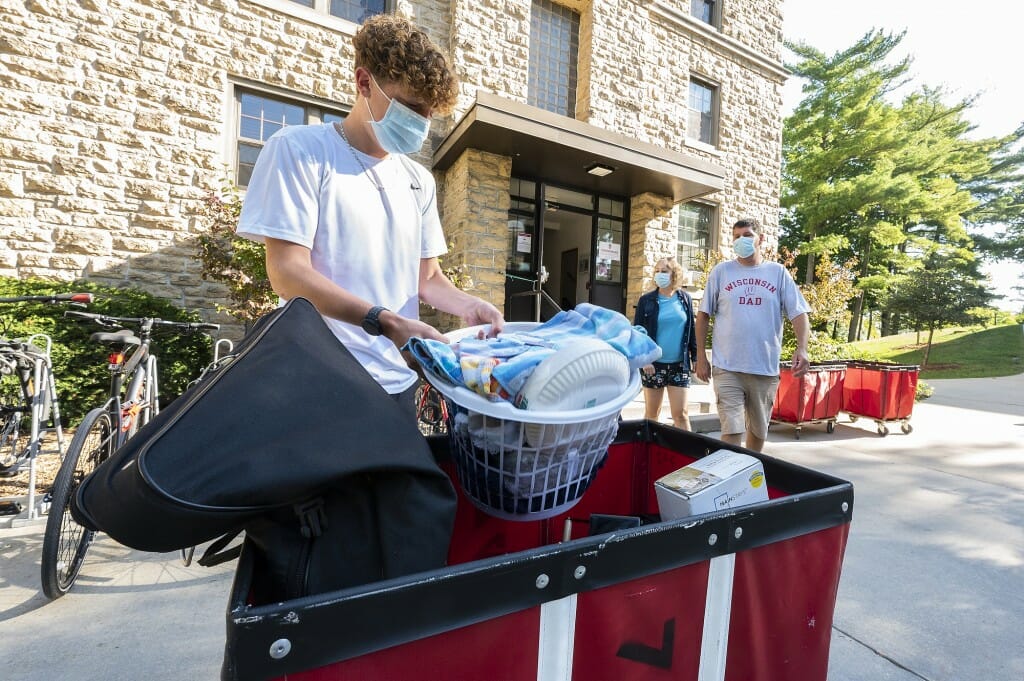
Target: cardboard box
x,y
722,479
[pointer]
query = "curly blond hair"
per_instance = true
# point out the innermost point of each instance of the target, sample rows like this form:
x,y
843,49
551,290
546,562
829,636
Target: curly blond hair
x,y
395,51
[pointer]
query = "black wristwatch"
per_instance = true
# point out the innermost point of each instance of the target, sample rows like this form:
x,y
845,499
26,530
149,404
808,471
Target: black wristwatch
x,y
371,322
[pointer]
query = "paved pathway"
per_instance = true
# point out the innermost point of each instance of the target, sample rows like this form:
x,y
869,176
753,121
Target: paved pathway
x,y
931,586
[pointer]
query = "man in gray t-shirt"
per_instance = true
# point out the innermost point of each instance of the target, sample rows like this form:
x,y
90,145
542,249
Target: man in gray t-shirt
x,y
748,297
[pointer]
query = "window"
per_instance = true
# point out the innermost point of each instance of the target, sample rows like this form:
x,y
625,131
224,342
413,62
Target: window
x,y
694,236
521,227
356,11
705,10
608,265
700,124
554,51
260,116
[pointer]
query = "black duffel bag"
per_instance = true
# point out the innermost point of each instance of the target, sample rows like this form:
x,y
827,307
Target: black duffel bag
x,y
293,442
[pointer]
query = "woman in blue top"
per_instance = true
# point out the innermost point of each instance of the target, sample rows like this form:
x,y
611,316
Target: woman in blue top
x,y
667,315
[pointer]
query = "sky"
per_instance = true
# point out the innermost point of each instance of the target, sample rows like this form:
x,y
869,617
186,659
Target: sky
x,y
967,49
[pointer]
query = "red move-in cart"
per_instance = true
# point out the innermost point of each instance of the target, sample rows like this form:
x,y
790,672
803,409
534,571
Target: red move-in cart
x,y
814,397
880,391
741,594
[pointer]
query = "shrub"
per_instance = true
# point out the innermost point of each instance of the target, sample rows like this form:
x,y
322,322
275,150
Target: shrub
x,y
237,263
923,391
79,364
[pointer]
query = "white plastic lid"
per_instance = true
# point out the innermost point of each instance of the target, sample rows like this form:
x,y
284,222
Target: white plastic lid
x,y
585,374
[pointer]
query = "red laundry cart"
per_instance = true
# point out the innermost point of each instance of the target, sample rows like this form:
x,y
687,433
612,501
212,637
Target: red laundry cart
x,y
742,594
882,392
814,397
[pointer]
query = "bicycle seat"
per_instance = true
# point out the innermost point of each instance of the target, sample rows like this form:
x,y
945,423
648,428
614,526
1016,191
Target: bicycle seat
x,y
124,336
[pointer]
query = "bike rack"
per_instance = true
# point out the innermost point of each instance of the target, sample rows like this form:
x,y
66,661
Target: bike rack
x,y
34,503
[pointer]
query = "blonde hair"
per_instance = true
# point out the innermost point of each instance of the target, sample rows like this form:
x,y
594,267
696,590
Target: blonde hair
x,y
674,268
395,51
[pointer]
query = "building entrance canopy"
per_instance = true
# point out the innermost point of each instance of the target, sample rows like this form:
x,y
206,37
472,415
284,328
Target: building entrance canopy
x,y
558,149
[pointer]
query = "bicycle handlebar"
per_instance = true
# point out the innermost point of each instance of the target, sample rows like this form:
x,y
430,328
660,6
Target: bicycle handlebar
x,y
83,298
107,320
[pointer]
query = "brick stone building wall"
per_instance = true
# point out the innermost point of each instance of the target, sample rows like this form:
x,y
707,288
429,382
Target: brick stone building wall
x,y
116,119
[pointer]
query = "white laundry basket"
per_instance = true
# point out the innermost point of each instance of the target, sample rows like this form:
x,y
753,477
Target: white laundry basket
x,y
500,468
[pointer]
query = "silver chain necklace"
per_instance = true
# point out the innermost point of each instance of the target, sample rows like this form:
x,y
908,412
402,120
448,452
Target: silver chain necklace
x,y
372,176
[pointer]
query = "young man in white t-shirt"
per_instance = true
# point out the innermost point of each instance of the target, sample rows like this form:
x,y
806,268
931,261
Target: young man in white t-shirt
x,y
349,222
748,297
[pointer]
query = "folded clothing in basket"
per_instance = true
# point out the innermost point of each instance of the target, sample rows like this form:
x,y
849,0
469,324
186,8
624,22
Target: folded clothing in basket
x,y
498,367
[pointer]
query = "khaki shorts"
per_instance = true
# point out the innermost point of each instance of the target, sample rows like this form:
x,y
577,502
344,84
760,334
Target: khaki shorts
x,y
744,401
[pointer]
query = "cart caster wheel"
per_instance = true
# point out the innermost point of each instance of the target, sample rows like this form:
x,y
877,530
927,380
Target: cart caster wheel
x,y
907,428
883,431
853,419
797,433
830,427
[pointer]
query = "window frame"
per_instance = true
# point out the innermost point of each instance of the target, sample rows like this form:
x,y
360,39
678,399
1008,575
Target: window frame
x,y
314,111
714,114
319,14
324,7
572,66
715,20
712,231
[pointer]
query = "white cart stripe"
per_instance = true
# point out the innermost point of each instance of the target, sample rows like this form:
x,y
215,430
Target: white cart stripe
x,y
557,634
717,609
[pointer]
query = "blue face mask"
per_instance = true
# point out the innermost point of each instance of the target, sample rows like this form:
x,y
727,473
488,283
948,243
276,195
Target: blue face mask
x,y
744,246
662,279
401,130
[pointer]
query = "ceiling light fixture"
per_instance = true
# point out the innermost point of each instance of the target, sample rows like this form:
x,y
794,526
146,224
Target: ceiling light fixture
x,y
600,169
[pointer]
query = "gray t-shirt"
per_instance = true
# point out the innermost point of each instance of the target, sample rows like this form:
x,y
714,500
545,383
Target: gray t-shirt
x,y
747,304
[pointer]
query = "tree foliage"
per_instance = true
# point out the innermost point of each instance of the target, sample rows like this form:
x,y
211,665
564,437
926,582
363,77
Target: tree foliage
x,y
884,182
828,297
941,294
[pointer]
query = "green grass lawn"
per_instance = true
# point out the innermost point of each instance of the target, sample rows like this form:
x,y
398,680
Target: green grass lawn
x,y
959,352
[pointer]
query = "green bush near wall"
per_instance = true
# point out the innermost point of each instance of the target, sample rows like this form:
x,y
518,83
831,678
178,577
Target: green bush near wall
x,y
80,365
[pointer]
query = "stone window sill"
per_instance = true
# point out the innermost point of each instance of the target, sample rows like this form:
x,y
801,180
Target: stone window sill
x,y
701,146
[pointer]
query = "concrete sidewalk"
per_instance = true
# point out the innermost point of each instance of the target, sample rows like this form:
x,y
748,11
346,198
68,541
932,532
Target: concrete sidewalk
x,y
700,398
930,586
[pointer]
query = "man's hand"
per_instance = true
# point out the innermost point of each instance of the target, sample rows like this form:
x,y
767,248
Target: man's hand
x,y
647,370
802,331
801,363
482,312
703,367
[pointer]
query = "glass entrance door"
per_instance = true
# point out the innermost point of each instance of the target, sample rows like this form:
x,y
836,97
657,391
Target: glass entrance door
x,y
565,247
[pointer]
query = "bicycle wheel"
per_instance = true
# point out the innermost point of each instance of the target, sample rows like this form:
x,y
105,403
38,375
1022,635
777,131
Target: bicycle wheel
x,y
431,412
11,445
13,426
65,542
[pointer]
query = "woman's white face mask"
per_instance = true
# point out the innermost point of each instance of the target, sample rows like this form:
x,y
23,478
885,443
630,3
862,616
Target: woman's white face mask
x,y
401,130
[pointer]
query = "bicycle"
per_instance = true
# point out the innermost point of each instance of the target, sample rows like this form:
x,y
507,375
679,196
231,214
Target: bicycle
x,y
431,410
133,401
29,408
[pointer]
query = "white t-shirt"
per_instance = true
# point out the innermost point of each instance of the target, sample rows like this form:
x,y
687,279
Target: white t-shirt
x,y
747,304
308,188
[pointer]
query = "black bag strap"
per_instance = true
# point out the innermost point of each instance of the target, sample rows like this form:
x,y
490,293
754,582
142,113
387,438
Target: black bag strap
x,y
214,553
312,523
